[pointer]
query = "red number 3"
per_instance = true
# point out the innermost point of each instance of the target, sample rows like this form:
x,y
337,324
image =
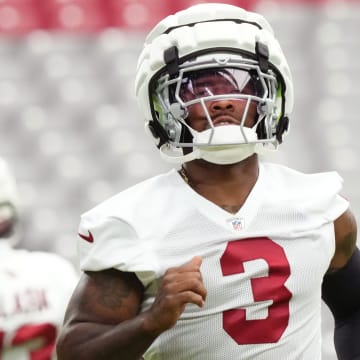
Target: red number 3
x,y
270,287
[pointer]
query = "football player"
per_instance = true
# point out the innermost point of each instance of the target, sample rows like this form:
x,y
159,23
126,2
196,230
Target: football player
x,y
230,256
35,287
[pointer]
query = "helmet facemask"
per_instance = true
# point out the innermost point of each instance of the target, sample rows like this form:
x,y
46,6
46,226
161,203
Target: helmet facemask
x,y
202,84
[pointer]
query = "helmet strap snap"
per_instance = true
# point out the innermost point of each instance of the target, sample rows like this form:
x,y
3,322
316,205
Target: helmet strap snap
x,y
171,59
262,54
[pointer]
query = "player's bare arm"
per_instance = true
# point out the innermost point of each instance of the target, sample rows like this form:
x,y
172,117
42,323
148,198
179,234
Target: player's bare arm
x,y
107,298
345,237
101,300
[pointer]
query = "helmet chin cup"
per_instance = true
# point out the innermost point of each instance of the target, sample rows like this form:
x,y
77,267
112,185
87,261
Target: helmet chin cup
x,y
219,149
221,155
226,155
212,145
224,135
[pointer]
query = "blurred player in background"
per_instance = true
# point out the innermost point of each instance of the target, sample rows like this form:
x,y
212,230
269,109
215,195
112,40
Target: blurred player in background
x,y
35,287
228,257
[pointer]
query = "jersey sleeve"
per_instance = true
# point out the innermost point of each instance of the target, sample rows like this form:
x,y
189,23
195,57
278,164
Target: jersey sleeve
x,y
338,207
111,242
324,198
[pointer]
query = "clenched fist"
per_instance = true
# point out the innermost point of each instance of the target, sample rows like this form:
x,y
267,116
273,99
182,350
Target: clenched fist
x,y
179,286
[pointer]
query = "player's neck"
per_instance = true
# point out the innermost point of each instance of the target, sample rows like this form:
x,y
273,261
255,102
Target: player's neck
x,y
224,185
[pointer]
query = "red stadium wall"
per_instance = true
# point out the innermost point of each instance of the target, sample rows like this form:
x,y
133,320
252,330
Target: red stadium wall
x,y
18,17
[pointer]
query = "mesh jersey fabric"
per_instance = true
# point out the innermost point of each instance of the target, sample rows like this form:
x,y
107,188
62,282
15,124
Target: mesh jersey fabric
x,y
262,267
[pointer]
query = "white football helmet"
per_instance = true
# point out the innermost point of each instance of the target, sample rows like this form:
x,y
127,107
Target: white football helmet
x,y
205,55
9,200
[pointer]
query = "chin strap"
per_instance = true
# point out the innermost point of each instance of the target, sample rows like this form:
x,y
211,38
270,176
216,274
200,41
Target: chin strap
x,y
175,156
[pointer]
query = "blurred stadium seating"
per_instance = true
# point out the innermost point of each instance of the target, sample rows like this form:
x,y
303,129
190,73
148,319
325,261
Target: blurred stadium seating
x,y
71,130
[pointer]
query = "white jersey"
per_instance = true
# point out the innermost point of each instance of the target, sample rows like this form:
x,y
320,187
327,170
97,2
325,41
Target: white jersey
x,y
35,289
262,267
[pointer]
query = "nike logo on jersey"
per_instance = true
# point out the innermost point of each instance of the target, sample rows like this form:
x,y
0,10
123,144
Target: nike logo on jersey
x,y
89,238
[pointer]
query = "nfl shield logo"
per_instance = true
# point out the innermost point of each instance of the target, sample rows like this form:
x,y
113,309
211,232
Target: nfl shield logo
x,y
237,223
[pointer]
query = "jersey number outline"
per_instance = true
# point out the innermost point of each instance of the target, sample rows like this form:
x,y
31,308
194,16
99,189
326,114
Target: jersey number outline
x,y
47,332
270,287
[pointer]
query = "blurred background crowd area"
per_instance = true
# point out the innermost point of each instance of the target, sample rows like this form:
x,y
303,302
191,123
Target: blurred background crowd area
x,y
73,135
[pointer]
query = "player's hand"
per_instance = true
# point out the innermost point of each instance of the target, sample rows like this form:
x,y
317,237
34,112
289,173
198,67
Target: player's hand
x,y
180,286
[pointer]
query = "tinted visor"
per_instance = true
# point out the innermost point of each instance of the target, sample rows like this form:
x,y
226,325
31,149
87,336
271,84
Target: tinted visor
x,y
219,81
